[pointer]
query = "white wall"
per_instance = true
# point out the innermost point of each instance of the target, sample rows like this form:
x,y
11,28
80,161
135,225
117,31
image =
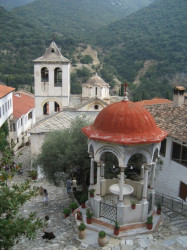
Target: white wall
x,y
169,174
7,103
47,91
37,141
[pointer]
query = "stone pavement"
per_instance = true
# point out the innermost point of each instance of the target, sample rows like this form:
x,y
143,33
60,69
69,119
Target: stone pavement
x,y
171,234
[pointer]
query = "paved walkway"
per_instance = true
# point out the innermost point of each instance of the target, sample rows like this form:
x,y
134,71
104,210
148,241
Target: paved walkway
x,y
171,234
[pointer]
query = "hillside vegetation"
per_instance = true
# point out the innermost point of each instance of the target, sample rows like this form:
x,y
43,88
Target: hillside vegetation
x,y
157,32
77,17
10,4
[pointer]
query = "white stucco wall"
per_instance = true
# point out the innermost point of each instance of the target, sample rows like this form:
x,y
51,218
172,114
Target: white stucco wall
x,y
37,141
7,103
169,174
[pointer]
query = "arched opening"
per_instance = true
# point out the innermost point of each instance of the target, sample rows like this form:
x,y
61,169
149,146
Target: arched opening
x,y
46,108
111,165
57,107
155,156
58,77
44,75
134,165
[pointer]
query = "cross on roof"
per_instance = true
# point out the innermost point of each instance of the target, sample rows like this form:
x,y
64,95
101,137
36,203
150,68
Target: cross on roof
x,y
125,91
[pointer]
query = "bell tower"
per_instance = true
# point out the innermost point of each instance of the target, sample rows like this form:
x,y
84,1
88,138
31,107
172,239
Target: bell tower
x,y
52,82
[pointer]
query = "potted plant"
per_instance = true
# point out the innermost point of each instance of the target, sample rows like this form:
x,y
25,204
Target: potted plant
x,y
102,238
33,174
158,209
89,216
81,231
66,212
150,222
83,200
91,191
73,206
79,214
133,204
116,228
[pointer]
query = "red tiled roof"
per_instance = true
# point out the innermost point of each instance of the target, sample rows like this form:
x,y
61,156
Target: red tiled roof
x,y
5,90
155,100
125,123
22,104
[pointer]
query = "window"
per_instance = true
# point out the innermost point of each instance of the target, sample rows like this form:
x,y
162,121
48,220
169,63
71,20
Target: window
x,y
57,107
8,104
30,115
96,91
44,75
58,77
0,112
179,153
3,109
163,148
46,108
96,106
6,107
21,121
14,126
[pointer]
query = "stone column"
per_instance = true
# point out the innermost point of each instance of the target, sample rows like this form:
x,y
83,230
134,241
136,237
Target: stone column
x,y
102,171
91,173
98,187
144,195
152,176
142,174
121,187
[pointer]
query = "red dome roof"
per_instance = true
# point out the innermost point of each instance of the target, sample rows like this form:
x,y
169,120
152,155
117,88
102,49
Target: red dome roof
x,y
125,123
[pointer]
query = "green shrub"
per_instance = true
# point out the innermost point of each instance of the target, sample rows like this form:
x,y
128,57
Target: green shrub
x,y
73,205
102,234
89,214
150,220
82,227
66,211
117,226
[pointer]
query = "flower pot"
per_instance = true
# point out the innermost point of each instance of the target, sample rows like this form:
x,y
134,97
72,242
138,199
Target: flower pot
x,y
83,205
34,178
79,216
133,206
116,231
102,241
91,195
158,212
89,220
81,234
149,226
66,215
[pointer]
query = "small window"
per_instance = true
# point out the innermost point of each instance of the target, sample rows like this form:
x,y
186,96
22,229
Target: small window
x,y
17,140
0,112
3,109
46,108
44,75
57,107
183,191
14,126
179,153
96,91
21,121
10,102
52,51
6,107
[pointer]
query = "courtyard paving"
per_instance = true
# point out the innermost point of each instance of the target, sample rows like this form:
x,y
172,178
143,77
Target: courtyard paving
x,y
171,234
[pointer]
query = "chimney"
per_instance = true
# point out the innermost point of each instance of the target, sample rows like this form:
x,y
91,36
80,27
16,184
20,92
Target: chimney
x,y
178,96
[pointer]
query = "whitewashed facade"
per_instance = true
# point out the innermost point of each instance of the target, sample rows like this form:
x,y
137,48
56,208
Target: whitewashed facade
x,y
6,107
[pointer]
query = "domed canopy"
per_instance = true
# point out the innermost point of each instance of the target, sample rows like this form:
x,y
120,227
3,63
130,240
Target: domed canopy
x,y
125,123
96,81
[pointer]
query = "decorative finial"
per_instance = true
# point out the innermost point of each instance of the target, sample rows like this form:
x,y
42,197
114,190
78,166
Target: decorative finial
x,y
125,91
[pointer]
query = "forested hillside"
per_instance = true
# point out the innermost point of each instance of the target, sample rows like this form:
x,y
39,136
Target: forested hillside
x,y
77,17
157,33
20,43
10,4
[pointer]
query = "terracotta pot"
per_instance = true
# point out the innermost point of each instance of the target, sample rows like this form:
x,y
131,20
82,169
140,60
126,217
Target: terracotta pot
x,y
91,195
79,216
83,205
116,231
133,206
81,234
66,215
72,210
102,241
89,220
158,212
149,226
34,178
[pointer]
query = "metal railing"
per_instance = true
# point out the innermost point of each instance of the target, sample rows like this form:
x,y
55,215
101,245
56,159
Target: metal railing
x,y
172,203
108,211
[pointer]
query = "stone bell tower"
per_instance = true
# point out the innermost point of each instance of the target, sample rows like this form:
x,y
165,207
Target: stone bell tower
x,y
52,82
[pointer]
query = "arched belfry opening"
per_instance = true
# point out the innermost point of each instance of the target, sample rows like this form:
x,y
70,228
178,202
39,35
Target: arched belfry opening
x,y
46,108
134,167
57,107
110,164
44,75
58,77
